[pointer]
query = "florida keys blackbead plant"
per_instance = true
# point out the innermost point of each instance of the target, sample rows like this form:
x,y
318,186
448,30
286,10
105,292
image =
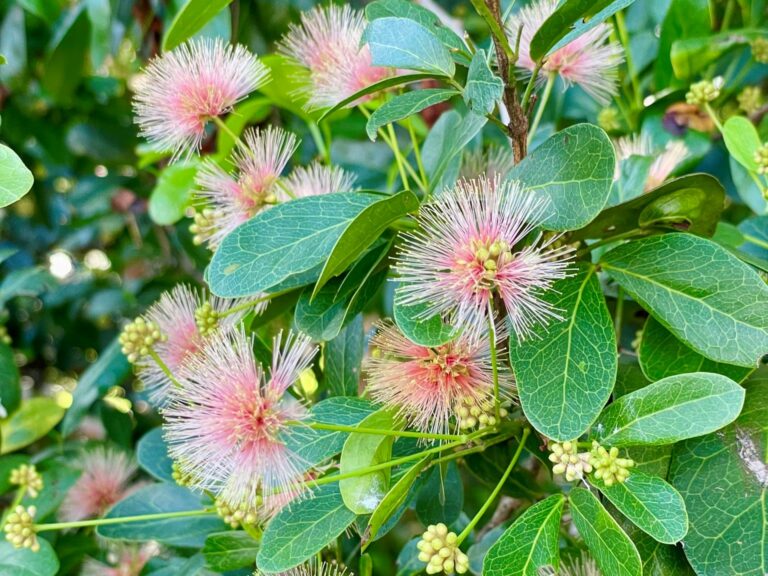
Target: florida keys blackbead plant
x,y
461,288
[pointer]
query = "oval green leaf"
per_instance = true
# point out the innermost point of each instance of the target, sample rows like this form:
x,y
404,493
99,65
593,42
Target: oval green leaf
x,y
687,283
742,140
230,550
670,410
483,87
33,420
530,543
565,371
611,548
574,170
15,178
405,105
432,331
152,455
24,562
10,389
192,17
172,193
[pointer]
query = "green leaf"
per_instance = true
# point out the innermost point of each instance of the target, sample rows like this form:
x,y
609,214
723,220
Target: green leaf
x,y
362,494
574,170
109,370
566,370
692,203
15,179
172,193
24,562
364,229
483,87
633,175
312,447
684,19
444,143
404,105
748,191
613,551
392,501
343,356
300,531
688,282
152,455
291,238
441,498
530,543
185,532
662,355
430,332
404,43
33,420
10,389
692,55
658,559
571,19
25,282
425,17
192,17
723,479
670,410
742,140
651,503
100,18
67,55
230,550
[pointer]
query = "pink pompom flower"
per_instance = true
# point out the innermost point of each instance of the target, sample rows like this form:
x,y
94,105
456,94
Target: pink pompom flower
x,y
470,248
227,423
315,569
185,318
429,386
105,480
665,161
327,43
317,179
590,61
123,560
185,88
231,200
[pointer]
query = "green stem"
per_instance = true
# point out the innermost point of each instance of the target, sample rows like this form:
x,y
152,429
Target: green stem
x,y
494,360
619,314
223,127
417,155
124,519
322,149
624,37
480,513
382,432
16,501
164,367
713,115
398,156
729,8
474,450
529,87
623,236
249,304
542,105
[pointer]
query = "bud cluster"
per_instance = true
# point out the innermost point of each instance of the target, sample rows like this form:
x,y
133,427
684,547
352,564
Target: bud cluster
x,y
207,319
236,517
608,119
761,158
492,256
750,99
203,221
439,548
181,478
138,337
20,528
760,50
27,477
569,461
471,414
608,466
703,92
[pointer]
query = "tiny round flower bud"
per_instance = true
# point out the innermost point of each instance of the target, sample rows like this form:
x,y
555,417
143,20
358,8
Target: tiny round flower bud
x,y
138,337
704,92
760,50
206,319
761,158
27,477
20,528
438,548
750,99
568,461
608,466
241,515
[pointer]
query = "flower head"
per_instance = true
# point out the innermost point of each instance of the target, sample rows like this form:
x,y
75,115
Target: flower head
x,y
761,159
609,467
20,528
496,161
317,179
704,92
105,480
186,87
470,248
327,43
750,99
230,199
429,386
590,61
184,318
439,548
227,423
568,461
760,50
26,476
664,163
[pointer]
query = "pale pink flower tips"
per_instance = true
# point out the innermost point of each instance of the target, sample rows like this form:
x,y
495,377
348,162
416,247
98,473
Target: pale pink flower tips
x,y
429,386
665,161
230,199
327,43
317,179
186,87
226,424
468,249
590,61
105,480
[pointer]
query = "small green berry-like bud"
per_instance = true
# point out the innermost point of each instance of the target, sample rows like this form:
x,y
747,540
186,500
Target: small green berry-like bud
x,y
704,92
760,50
242,515
138,337
568,461
608,119
608,466
750,99
27,477
20,528
761,158
206,319
439,549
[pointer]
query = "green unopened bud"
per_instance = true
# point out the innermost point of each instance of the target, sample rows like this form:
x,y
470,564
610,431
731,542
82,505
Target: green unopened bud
x,y
439,549
760,50
608,119
26,476
750,99
20,528
470,413
138,337
206,319
203,223
180,477
704,92
761,158
568,461
242,515
609,467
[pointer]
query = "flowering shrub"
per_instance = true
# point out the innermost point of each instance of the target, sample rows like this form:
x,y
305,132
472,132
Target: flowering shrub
x,y
440,288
